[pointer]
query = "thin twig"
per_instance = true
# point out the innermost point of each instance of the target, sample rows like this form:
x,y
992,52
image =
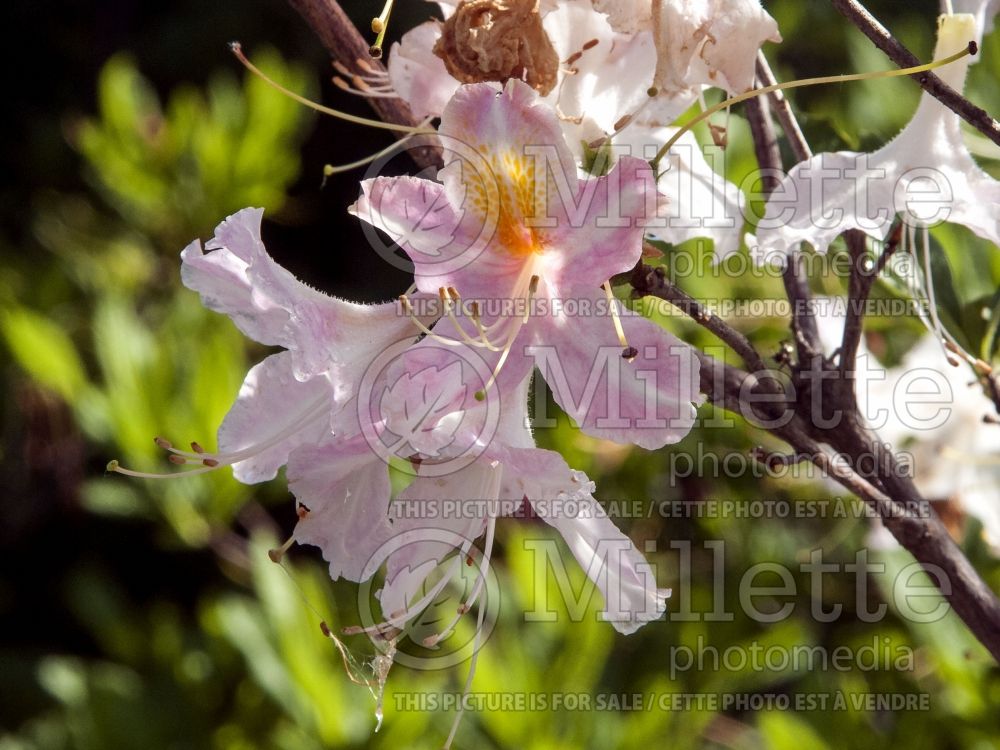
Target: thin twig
x,y
783,111
647,280
860,284
953,100
793,275
345,44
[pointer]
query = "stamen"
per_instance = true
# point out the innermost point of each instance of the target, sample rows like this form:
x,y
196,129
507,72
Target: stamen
x,y
364,90
372,75
278,553
532,289
488,548
312,412
379,26
237,50
843,78
449,298
629,353
331,169
408,309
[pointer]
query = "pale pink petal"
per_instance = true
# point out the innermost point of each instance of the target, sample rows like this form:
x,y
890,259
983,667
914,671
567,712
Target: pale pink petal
x,y
432,518
507,162
599,231
430,406
274,413
649,402
562,498
222,277
344,486
441,238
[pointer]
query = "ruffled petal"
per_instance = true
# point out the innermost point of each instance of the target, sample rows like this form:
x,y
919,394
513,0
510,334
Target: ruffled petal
x,y
417,74
696,201
649,402
926,174
222,277
709,42
432,518
344,487
600,234
562,498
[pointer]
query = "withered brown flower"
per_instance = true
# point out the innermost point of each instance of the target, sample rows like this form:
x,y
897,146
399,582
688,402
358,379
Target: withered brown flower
x,y
495,40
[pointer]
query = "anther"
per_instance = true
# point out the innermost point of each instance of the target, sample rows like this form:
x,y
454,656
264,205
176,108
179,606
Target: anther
x,y
279,552
622,122
163,443
589,45
629,353
175,459
210,462
196,447
325,629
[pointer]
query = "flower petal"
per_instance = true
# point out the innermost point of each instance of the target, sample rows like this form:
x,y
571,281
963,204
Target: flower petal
x,y
432,518
562,498
222,277
600,234
648,402
417,74
345,488
274,413
696,200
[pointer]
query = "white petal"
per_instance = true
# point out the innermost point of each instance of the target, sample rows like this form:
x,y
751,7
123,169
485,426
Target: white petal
x,y
709,42
926,173
699,202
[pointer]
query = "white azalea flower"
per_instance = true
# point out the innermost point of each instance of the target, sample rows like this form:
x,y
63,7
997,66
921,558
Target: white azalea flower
x,y
709,42
926,174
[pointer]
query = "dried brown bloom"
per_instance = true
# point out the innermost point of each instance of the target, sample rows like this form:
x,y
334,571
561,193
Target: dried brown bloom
x,y
495,40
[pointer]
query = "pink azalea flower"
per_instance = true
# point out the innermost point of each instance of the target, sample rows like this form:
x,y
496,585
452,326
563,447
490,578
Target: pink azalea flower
x,y
300,407
511,222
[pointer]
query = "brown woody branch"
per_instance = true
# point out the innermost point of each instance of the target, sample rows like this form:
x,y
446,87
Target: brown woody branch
x,y
345,44
894,49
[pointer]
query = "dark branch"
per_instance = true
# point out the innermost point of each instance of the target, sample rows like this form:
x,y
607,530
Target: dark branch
x,y
794,277
953,100
346,45
783,111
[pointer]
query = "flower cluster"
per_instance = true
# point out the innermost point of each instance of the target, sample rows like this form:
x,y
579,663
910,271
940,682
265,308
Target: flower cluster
x,y
552,116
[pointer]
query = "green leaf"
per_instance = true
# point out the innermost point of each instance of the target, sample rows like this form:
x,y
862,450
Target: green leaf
x,y
44,350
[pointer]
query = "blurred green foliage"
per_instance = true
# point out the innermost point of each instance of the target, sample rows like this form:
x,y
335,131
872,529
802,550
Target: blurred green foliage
x,y
232,657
